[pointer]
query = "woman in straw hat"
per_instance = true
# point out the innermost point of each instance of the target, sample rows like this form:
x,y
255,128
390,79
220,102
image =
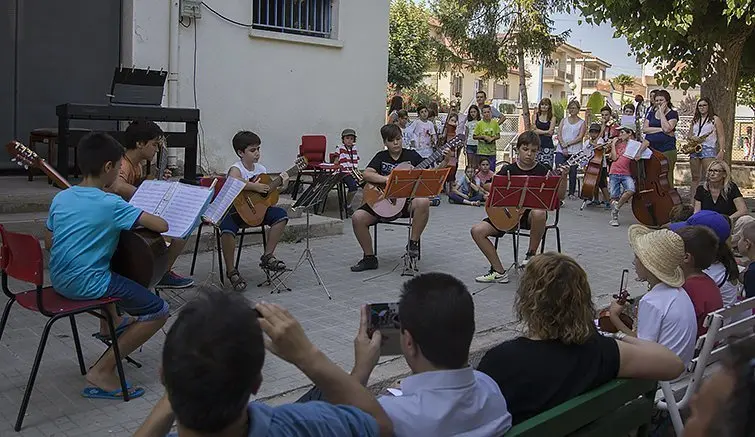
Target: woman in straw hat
x,y
666,314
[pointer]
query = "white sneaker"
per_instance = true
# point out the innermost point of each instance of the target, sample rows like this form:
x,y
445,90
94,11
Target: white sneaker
x,y
614,222
493,276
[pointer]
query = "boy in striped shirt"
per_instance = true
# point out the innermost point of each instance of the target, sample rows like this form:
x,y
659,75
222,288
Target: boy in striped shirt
x,y
348,158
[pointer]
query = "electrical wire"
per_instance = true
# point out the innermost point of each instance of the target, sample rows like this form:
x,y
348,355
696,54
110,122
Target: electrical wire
x,y
237,23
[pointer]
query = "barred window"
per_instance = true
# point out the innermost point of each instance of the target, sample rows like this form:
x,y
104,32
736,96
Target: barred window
x,y
299,17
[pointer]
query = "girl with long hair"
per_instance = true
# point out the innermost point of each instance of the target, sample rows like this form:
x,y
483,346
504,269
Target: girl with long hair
x,y
708,130
660,129
473,116
571,133
397,104
544,124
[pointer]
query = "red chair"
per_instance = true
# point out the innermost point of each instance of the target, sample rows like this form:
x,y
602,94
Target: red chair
x,y
244,230
21,259
314,148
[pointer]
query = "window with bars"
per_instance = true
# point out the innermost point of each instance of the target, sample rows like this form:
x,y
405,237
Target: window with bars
x,y
299,17
501,91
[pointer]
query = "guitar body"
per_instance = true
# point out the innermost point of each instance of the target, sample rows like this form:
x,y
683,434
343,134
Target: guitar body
x,y
141,254
592,175
504,219
386,208
252,206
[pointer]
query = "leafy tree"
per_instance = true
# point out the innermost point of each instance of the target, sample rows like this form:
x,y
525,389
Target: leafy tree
x,y
595,103
470,29
409,43
746,94
623,81
706,42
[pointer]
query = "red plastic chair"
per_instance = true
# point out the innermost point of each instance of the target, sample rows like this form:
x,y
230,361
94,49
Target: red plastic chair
x,y
314,148
21,259
244,230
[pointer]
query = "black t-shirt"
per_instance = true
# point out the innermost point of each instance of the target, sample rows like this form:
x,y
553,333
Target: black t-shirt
x,y
721,205
535,376
384,164
512,169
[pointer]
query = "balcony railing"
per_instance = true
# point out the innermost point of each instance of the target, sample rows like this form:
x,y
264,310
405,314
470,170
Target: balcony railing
x,y
553,73
589,83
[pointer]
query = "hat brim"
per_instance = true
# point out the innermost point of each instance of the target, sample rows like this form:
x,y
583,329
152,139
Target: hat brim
x,y
640,246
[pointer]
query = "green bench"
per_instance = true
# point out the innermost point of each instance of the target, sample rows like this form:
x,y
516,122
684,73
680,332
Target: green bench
x,y
614,409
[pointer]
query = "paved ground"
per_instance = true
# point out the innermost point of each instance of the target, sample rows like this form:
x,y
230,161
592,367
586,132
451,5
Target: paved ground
x,y
57,409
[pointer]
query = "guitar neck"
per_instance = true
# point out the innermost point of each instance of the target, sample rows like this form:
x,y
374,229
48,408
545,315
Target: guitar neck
x,y
432,159
276,181
53,174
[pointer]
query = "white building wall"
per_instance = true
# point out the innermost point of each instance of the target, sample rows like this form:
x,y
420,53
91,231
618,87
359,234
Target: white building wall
x,y
278,88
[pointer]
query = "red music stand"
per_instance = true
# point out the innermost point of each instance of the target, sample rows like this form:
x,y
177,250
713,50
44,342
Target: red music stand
x,y
412,184
524,192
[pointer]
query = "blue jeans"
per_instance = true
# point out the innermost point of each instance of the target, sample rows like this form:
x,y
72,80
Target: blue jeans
x,y
350,183
561,159
136,300
616,182
455,198
232,222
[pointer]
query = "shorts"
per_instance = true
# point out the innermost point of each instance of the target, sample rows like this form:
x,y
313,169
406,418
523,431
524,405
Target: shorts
x,y
233,222
707,152
617,182
603,178
524,223
136,300
403,214
472,148
350,183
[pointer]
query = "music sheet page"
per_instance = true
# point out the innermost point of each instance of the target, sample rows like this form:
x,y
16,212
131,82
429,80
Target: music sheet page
x,y
223,201
150,194
184,208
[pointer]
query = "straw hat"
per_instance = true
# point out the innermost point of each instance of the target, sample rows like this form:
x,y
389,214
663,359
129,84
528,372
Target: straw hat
x,y
661,252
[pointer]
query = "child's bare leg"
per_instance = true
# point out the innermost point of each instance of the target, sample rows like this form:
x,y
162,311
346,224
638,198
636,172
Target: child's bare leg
x,y
274,236
481,233
228,245
625,198
537,220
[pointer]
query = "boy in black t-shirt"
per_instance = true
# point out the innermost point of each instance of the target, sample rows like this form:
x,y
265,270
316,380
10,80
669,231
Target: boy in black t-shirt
x,y
377,172
527,146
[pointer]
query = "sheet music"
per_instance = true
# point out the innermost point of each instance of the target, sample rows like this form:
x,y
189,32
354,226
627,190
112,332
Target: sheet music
x,y
223,201
184,208
150,194
633,147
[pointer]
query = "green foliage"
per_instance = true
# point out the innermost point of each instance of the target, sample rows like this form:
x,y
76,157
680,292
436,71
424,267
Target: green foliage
x,y
559,109
409,43
623,81
746,93
687,105
507,108
420,94
595,103
472,31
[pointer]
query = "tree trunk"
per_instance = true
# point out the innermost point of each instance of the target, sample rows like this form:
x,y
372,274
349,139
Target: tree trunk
x,y
523,91
720,70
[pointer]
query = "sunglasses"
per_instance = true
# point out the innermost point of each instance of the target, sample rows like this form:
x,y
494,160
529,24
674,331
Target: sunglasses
x,y
716,170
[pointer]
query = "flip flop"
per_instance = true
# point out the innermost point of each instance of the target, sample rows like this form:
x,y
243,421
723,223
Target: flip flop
x,y
98,393
125,323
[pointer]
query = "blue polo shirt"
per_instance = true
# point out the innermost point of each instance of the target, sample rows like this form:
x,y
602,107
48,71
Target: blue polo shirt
x,y
661,141
315,419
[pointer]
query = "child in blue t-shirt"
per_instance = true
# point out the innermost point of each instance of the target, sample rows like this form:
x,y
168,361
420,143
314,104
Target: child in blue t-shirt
x,y
83,228
746,246
466,190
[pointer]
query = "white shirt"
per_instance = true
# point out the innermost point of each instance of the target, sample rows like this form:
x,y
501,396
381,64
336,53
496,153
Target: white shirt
x,y
570,133
424,131
461,402
249,174
667,316
717,273
407,136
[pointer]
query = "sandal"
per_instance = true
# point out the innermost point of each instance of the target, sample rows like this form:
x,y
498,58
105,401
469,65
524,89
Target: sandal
x,y
237,281
270,262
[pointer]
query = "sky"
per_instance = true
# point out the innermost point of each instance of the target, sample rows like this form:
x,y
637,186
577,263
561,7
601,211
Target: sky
x,y
600,41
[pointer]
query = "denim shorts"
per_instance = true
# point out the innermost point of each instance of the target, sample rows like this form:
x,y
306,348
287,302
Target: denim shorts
x,y
136,300
707,152
616,182
350,182
233,222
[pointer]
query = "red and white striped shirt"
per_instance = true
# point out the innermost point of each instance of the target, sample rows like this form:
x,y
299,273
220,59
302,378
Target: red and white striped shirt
x,y
347,158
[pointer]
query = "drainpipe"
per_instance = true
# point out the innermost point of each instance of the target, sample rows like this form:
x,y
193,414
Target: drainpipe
x,y
540,82
175,16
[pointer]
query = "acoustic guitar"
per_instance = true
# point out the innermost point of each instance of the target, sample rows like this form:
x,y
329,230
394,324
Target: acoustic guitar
x,y
507,218
141,254
252,206
373,194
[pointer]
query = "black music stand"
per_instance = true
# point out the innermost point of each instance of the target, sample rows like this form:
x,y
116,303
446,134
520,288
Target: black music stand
x,y
137,86
521,193
309,201
413,184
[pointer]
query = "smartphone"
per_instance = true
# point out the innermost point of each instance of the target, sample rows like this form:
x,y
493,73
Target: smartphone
x,y
384,317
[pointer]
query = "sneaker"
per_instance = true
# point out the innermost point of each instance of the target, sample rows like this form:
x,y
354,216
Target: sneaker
x,y
614,222
413,249
527,258
608,205
173,280
614,214
369,262
493,276
435,201
349,211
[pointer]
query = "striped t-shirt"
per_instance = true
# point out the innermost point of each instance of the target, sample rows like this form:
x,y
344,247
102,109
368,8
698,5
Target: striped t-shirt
x,y
347,158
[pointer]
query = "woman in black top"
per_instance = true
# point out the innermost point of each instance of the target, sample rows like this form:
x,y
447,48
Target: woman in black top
x,y
544,124
562,355
719,193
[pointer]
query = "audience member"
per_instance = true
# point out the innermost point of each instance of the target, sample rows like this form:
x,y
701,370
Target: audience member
x,y
212,363
561,354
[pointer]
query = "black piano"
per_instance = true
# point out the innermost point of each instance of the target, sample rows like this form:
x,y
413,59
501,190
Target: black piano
x,y
135,94
121,112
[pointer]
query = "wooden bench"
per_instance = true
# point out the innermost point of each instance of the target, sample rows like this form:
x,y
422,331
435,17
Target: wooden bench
x,y
613,409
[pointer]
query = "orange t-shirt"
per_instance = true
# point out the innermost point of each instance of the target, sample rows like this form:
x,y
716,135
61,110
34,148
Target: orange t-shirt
x,y
130,173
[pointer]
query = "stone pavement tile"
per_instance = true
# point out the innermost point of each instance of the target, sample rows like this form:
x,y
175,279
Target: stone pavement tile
x,y
56,408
